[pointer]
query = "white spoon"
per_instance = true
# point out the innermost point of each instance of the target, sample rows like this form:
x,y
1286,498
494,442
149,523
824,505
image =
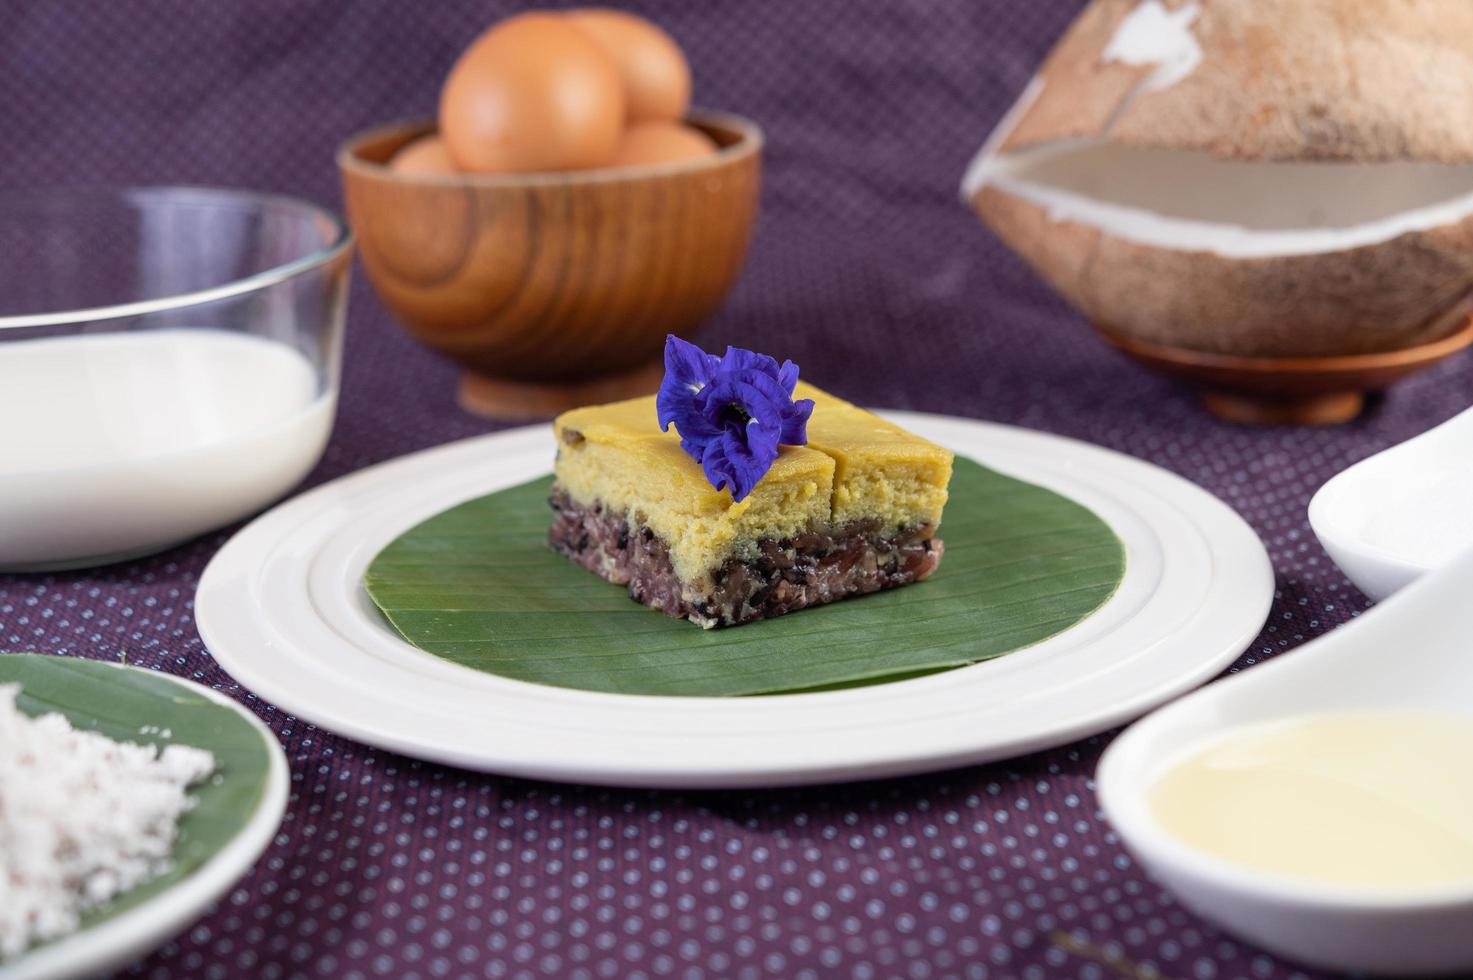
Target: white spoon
x,y
1393,517
1414,652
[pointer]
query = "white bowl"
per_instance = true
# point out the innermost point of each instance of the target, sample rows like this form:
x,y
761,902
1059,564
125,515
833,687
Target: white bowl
x,y
1395,516
169,363
1411,654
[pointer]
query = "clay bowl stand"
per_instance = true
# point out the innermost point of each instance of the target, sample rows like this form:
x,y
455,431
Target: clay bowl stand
x,y
1297,390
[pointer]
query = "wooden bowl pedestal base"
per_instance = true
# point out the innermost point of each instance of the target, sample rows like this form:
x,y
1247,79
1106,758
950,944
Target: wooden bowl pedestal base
x,y
522,401
1257,408
1291,390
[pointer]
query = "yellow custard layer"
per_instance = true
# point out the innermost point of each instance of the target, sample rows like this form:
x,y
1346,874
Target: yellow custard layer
x,y
881,470
855,467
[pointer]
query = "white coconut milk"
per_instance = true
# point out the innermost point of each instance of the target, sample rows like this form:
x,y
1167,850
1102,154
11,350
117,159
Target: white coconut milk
x,y
114,444
1364,800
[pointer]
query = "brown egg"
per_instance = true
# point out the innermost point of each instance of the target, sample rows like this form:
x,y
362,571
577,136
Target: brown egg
x,y
532,93
662,142
426,155
655,71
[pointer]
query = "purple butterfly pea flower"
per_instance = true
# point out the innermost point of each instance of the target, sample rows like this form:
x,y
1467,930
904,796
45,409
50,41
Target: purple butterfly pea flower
x,y
732,412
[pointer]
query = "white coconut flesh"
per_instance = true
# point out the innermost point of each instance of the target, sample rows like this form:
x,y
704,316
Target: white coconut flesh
x,y
1237,209
1153,35
1191,201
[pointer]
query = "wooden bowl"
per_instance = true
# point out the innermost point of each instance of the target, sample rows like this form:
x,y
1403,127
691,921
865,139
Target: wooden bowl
x,y
1298,390
554,290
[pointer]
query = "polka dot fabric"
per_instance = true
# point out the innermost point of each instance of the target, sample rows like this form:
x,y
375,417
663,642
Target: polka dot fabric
x,y
867,271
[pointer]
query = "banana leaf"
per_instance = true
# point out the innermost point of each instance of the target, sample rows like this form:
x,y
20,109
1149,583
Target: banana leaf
x,y
478,586
99,697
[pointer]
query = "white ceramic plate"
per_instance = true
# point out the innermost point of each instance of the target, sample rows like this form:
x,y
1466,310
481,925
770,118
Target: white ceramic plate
x,y
283,609
123,938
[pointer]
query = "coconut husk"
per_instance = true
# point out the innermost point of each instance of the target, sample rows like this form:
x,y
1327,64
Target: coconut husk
x,y
1346,81
1361,80
1375,298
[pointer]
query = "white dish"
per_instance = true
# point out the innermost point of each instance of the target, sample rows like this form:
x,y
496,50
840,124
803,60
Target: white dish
x,y
282,608
1410,653
1395,516
125,937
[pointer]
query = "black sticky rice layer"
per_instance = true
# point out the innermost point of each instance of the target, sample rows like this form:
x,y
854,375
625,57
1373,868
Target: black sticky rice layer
x,y
811,569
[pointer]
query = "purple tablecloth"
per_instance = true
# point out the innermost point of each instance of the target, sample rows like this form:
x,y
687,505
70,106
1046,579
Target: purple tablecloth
x,y
868,272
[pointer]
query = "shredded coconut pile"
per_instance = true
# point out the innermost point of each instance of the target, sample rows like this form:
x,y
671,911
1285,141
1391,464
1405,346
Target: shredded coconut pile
x,y
82,819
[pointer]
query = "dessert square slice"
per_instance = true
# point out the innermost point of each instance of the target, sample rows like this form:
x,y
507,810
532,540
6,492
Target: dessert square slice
x,y
854,511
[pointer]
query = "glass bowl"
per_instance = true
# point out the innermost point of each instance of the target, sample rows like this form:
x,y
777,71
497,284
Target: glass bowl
x,y
169,363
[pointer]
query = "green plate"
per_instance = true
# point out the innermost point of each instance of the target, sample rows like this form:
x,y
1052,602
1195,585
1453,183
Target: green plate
x,y
477,585
118,701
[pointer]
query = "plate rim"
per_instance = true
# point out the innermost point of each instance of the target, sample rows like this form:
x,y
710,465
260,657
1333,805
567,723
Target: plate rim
x,y
132,934
1254,585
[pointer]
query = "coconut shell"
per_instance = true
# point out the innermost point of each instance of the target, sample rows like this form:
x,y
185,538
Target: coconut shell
x,y
1365,80
1380,297
1349,81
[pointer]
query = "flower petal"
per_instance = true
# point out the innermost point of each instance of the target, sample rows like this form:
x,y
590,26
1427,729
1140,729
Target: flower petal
x,y
737,464
738,361
688,370
687,363
795,423
718,469
787,376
